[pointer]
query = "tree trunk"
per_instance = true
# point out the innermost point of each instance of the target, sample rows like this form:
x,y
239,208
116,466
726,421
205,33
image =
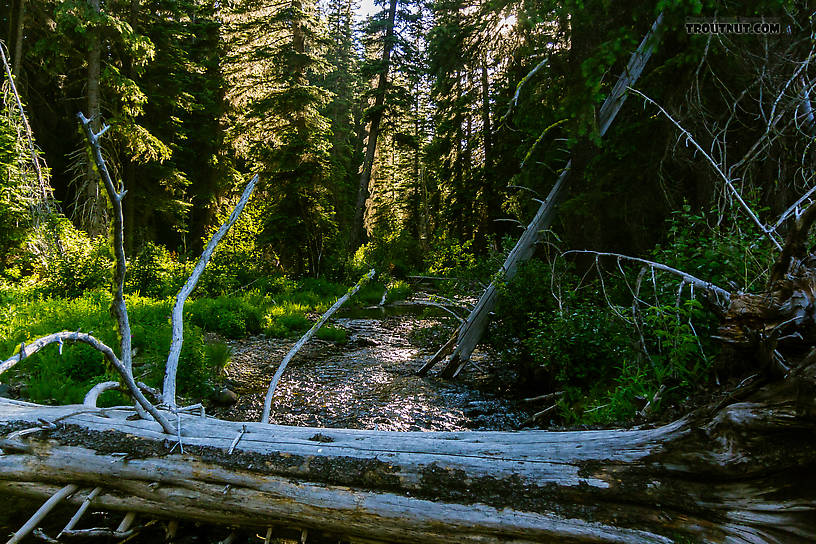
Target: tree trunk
x,y
90,206
471,332
18,39
357,228
740,473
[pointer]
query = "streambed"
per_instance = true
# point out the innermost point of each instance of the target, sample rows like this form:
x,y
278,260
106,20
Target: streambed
x,y
370,382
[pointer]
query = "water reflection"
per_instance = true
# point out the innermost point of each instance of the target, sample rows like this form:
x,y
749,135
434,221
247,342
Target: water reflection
x,y
368,383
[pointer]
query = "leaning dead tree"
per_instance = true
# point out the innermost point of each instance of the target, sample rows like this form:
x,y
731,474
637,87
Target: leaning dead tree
x,y
470,332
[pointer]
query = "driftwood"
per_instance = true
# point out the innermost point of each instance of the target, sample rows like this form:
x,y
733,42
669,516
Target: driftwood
x,y
472,330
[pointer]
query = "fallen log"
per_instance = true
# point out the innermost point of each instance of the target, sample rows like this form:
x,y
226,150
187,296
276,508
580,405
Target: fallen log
x,y
741,472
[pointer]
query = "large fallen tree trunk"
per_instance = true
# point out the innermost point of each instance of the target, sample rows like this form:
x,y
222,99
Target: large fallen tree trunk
x,y
742,472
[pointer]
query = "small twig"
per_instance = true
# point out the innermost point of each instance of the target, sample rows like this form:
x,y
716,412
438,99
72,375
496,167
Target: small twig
x,y
548,396
537,415
237,439
514,100
98,532
126,522
180,444
230,538
40,534
171,530
654,400
700,284
44,426
111,357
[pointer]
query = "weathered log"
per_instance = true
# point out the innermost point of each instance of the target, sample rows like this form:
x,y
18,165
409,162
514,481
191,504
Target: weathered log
x,y
779,324
743,472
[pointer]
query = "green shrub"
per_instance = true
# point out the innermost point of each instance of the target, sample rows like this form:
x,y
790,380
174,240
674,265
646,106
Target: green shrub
x,y
84,264
370,293
155,272
239,260
398,290
234,317
579,346
287,319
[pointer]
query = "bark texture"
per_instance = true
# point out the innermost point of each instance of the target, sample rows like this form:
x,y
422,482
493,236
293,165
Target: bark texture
x,y
739,472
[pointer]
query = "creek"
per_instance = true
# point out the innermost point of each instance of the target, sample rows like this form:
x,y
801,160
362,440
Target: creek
x,y
370,381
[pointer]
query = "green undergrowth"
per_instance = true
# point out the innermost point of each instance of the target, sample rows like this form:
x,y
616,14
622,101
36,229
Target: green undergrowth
x,y
282,308
578,333
51,377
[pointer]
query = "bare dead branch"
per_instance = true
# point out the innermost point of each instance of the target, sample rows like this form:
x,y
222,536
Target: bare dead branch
x,y
115,196
689,138
720,295
40,514
525,79
171,367
80,511
305,338
110,356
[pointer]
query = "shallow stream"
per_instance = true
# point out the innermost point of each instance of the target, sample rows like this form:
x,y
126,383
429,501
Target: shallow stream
x,y
370,381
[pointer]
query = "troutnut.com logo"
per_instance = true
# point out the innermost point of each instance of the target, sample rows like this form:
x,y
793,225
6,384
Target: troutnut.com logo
x,y
733,26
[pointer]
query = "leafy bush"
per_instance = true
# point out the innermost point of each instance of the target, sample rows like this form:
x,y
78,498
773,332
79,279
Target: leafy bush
x,y
239,260
370,293
732,250
84,264
398,290
234,317
287,319
570,336
579,346
155,272
449,256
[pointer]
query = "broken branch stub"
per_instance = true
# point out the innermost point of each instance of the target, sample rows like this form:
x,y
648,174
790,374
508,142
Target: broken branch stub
x,y
171,367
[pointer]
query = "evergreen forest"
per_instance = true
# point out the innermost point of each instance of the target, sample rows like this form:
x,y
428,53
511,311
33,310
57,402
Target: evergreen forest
x,y
418,138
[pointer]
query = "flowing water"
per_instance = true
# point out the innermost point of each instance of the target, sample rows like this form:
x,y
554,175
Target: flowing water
x,y
370,381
